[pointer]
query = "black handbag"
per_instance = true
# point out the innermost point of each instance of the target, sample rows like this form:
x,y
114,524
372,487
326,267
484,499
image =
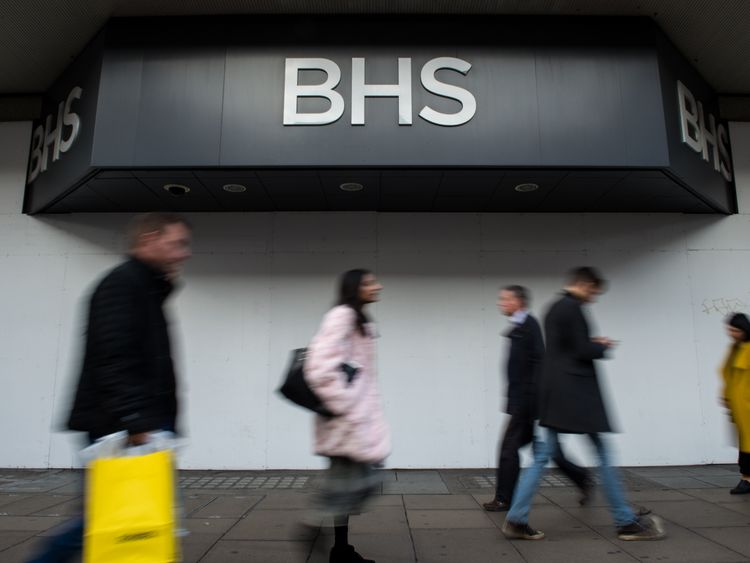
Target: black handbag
x,y
295,387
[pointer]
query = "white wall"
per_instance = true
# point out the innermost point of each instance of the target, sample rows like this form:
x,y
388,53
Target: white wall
x,y
258,284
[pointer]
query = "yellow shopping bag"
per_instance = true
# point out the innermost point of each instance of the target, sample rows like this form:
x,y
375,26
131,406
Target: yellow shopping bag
x,y
130,510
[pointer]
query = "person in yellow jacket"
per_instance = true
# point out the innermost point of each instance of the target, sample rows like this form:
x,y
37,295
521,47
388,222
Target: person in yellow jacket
x,y
736,395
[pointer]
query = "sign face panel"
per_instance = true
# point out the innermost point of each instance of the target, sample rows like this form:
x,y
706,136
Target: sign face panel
x,y
533,107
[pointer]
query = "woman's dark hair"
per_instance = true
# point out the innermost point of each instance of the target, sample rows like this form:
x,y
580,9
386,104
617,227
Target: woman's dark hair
x,y
741,322
349,285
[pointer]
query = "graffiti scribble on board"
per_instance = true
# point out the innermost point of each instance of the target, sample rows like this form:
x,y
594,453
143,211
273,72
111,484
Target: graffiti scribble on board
x,y
723,305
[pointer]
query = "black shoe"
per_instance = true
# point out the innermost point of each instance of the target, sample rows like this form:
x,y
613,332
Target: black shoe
x,y
496,506
742,488
516,531
346,554
643,529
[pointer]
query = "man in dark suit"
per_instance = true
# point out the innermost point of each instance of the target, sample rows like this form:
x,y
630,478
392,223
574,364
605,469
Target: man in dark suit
x,y
127,381
525,355
571,402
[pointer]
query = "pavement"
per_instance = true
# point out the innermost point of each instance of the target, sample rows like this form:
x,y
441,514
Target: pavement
x,y
430,516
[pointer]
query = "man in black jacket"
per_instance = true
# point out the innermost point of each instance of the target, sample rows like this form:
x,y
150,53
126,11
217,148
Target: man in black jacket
x,y
524,366
127,381
571,402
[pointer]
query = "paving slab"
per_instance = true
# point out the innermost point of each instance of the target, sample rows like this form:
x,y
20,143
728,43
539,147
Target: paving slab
x,y
30,523
741,507
682,482
448,519
720,495
244,551
213,526
736,538
68,508
9,539
274,525
567,496
726,481
664,471
33,504
194,547
386,500
469,545
699,514
22,552
380,520
681,544
650,495
416,483
192,502
437,502
227,506
712,470
286,500
578,547
9,498
538,499
592,516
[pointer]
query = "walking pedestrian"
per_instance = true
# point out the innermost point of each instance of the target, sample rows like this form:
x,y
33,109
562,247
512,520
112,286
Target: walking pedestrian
x,y
523,370
340,369
571,402
736,393
127,381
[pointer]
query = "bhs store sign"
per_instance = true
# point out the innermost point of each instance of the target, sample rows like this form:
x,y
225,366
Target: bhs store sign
x,y
293,91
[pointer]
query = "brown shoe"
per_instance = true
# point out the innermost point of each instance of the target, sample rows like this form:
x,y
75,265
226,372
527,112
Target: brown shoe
x,y
516,531
644,529
496,506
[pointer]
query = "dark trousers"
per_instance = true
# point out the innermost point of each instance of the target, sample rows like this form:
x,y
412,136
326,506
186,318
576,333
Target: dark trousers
x,y
744,463
519,433
66,545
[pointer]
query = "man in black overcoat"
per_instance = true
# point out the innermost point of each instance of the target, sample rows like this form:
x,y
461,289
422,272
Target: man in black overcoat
x,y
127,381
523,369
571,403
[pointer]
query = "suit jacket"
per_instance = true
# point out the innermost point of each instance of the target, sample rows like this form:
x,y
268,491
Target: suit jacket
x,y
570,397
525,356
127,381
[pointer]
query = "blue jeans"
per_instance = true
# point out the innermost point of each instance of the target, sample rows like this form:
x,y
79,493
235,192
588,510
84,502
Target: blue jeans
x,y
64,546
529,482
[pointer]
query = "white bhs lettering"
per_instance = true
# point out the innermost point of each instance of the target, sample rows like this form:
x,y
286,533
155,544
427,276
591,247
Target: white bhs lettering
x,y
44,136
360,91
699,136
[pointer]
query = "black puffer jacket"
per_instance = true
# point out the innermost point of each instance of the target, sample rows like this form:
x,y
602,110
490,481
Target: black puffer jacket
x,y
127,381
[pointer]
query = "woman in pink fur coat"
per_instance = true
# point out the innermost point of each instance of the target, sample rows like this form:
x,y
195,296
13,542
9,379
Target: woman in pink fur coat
x,y
340,369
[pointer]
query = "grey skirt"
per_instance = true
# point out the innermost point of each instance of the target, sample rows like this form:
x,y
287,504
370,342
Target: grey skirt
x,y
347,486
